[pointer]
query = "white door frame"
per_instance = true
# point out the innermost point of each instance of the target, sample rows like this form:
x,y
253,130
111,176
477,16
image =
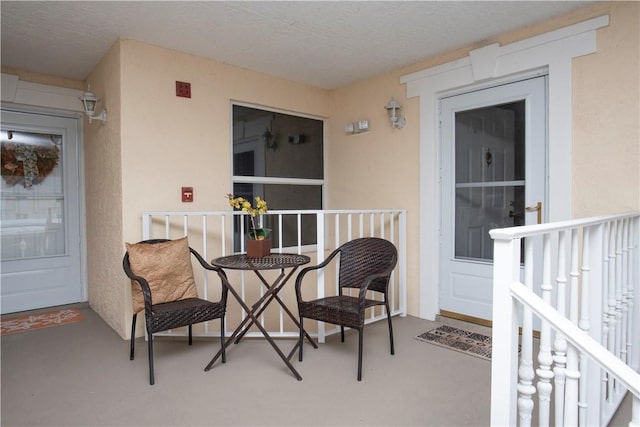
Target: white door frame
x,y
549,53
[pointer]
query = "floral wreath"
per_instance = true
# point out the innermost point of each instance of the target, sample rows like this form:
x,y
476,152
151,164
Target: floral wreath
x,y
28,164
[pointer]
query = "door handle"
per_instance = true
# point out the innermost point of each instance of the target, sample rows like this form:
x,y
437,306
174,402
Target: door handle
x,y
537,207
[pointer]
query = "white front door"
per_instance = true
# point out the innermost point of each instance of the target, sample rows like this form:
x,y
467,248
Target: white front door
x,y
40,228
493,175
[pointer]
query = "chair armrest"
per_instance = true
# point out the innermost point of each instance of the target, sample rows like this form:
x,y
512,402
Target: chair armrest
x,y
305,270
221,273
144,285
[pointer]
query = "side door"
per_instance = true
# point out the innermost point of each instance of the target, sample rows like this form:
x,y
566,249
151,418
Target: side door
x,y
40,230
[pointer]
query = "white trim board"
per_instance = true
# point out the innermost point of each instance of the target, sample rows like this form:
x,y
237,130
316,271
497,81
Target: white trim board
x,y
549,53
18,91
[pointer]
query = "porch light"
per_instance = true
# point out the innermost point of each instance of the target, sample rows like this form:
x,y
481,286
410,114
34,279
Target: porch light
x,y
393,108
89,104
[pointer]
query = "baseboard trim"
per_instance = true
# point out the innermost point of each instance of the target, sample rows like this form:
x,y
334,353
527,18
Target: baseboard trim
x,y
466,318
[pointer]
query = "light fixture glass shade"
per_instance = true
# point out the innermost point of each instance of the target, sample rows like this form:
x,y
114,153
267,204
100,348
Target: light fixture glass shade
x,y
89,105
89,102
393,109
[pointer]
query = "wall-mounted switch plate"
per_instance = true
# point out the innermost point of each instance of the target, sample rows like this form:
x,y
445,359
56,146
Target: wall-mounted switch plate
x,y
187,194
363,125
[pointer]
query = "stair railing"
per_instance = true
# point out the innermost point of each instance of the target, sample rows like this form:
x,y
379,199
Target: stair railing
x,y
577,288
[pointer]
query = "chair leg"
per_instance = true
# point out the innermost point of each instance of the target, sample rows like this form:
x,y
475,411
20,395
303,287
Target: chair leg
x,y
133,336
360,354
224,355
342,333
300,341
390,329
190,336
150,348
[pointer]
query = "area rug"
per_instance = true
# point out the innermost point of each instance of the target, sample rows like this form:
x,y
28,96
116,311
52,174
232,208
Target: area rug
x,y
39,321
471,343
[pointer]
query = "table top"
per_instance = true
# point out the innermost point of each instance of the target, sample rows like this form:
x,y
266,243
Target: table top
x,y
269,262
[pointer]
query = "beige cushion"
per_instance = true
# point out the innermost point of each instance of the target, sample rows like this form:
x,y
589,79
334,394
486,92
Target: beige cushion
x,y
167,268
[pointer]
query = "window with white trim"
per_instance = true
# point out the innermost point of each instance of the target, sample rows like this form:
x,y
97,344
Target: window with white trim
x,y
279,157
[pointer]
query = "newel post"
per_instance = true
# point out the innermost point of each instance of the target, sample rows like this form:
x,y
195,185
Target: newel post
x,y
504,364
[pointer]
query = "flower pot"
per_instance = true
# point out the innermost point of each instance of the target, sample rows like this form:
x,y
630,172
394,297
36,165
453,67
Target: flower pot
x,y
258,248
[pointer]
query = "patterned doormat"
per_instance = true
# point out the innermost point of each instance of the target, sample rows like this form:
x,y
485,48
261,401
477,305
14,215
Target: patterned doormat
x,y
471,343
39,321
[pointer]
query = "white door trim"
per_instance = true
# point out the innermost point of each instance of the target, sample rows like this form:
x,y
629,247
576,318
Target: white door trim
x,y
551,52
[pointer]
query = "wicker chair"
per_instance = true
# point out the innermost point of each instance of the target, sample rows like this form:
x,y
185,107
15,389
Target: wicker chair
x,y
161,316
365,264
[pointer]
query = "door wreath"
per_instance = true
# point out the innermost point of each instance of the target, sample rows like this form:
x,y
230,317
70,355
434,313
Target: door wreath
x,y
28,164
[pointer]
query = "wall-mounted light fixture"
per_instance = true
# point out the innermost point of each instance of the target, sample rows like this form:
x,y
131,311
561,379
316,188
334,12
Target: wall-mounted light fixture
x,y
393,108
270,140
89,104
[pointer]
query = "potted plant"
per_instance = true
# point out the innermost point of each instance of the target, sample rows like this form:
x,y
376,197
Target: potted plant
x,y
258,243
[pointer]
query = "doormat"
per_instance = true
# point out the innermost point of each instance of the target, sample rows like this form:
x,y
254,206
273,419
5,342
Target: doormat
x,y
39,321
471,343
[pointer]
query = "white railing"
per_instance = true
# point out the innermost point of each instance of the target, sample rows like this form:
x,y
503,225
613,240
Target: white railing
x,y
313,232
578,286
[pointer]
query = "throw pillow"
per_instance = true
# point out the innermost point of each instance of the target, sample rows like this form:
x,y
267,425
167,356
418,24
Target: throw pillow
x,y
167,267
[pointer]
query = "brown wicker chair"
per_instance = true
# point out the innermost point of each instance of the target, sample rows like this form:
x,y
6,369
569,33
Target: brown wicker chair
x,y
174,314
365,264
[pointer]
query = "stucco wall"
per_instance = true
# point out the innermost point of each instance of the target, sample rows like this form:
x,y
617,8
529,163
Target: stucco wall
x,y
606,139
378,169
103,195
169,142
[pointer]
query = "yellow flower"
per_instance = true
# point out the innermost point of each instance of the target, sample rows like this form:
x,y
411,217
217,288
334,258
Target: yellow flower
x,y
260,208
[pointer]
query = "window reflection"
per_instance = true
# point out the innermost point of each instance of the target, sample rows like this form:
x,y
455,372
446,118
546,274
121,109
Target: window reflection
x,y
270,144
285,153
32,219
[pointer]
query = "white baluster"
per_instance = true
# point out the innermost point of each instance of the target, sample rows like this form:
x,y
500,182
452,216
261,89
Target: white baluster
x,y
631,295
611,302
619,317
525,371
23,248
584,324
560,342
635,413
572,371
605,298
545,374
624,259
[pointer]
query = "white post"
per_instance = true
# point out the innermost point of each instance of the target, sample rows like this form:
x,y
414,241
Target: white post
x,y
146,226
320,257
402,264
506,270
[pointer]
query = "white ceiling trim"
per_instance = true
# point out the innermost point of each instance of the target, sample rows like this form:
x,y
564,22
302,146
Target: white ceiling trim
x,y
17,91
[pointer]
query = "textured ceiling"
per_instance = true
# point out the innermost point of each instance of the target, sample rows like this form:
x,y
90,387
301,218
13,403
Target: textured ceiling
x,y
325,44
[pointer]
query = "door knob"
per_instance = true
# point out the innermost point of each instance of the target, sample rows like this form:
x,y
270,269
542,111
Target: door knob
x,y
537,207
